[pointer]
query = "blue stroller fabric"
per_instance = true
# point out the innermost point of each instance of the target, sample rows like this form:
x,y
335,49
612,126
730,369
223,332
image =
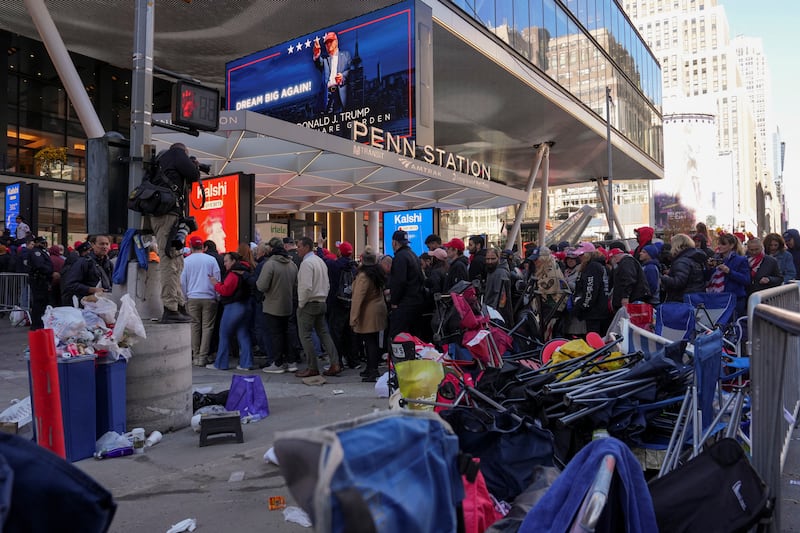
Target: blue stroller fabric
x,y
50,494
387,472
557,509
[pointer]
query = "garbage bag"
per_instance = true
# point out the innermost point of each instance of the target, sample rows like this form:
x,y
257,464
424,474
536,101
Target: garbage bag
x,y
129,327
65,322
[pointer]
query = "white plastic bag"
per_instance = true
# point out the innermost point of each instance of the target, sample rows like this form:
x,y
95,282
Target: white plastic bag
x,y
101,306
129,325
65,322
18,317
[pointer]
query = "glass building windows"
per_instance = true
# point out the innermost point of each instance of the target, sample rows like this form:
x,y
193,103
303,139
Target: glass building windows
x,y
569,39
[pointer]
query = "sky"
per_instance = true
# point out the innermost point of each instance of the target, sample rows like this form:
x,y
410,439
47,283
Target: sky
x,y
775,22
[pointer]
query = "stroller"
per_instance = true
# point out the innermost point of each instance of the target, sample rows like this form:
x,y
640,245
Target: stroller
x,y
469,334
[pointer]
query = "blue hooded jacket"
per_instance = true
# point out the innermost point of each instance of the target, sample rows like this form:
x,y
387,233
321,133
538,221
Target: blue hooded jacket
x,y
795,235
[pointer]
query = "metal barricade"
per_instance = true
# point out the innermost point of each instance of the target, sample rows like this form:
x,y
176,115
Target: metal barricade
x,y
785,297
774,381
15,294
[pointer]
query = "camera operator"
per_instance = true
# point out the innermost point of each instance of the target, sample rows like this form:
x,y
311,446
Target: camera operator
x,y
178,170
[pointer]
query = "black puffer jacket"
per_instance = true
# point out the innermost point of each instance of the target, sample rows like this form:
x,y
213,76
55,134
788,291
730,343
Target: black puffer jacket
x,y
685,275
628,282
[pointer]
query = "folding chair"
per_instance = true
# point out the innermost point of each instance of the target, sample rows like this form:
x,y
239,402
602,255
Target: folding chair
x,y
675,321
712,309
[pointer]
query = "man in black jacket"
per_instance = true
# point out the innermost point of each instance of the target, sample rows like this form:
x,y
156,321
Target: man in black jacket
x,y
628,281
89,274
477,258
405,287
459,266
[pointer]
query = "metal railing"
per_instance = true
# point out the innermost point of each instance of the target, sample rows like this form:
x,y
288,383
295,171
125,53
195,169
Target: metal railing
x,y
774,339
15,294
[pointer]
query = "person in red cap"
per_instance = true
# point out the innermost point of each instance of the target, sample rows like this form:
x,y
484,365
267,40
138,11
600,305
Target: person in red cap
x,y
341,273
201,299
459,266
335,68
629,283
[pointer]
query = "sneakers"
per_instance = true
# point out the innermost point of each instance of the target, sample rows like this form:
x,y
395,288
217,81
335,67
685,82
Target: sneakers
x,y
292,367
212,367
275,369
242,368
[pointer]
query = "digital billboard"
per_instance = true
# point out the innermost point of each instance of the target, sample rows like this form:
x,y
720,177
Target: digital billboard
x,y
12,206
362,69
218,218
419,223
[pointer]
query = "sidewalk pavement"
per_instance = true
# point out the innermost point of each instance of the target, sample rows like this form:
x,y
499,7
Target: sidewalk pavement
x,y
176,479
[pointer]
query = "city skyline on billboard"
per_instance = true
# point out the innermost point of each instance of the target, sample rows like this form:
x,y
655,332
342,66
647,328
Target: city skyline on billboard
x,y
362,69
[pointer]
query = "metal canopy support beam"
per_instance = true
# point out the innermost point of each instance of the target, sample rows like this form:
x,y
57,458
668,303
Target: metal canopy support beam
x,y
66,70
611,215
514,233
544,203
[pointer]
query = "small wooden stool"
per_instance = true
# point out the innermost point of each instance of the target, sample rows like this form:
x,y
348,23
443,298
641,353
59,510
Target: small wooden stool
x,y
218,423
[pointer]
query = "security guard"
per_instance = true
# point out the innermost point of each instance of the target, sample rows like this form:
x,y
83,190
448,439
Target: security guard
x,y
40,274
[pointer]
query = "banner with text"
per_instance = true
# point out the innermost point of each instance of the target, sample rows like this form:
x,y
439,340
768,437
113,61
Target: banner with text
x,y
359,70
418,223
218,219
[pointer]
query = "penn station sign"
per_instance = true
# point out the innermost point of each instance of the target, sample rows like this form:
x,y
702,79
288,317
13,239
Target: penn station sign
x,y
385,140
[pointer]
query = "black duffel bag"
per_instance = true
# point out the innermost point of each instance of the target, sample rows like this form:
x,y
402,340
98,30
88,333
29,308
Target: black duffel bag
x,y
153,200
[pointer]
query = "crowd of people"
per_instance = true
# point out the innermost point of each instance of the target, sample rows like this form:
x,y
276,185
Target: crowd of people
x,y
294,303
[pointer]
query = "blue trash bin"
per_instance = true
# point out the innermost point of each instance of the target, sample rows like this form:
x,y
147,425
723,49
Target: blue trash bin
x,y
110,396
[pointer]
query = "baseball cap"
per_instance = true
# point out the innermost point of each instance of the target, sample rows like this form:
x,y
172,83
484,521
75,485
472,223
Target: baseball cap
x,y
583,248
402,237
288,240
196,242
535,254
346,249
38,240
439,254
84,246
458,244
614,252
330,36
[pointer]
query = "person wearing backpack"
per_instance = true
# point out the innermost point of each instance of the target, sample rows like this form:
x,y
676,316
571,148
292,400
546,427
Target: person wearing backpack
x,y
177,170
341,273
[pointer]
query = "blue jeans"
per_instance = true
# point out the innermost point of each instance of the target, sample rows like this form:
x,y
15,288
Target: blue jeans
x,y
234,323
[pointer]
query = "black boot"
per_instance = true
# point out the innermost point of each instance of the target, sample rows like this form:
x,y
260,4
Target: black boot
x,y
174,317
182,310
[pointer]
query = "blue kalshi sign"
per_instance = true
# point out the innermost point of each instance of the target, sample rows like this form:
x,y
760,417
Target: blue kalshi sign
x,y
417,223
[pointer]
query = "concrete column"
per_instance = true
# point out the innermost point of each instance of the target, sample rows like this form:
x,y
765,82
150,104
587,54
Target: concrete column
x,y
373,233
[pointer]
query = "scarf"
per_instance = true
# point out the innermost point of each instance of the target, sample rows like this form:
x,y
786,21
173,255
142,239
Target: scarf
x,y
755,262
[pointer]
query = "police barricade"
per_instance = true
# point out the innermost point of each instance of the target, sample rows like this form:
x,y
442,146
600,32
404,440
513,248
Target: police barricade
x,y
15,296
774,342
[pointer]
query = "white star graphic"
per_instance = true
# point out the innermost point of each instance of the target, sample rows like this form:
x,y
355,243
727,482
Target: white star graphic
x,y
308,43
291,49
299,46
